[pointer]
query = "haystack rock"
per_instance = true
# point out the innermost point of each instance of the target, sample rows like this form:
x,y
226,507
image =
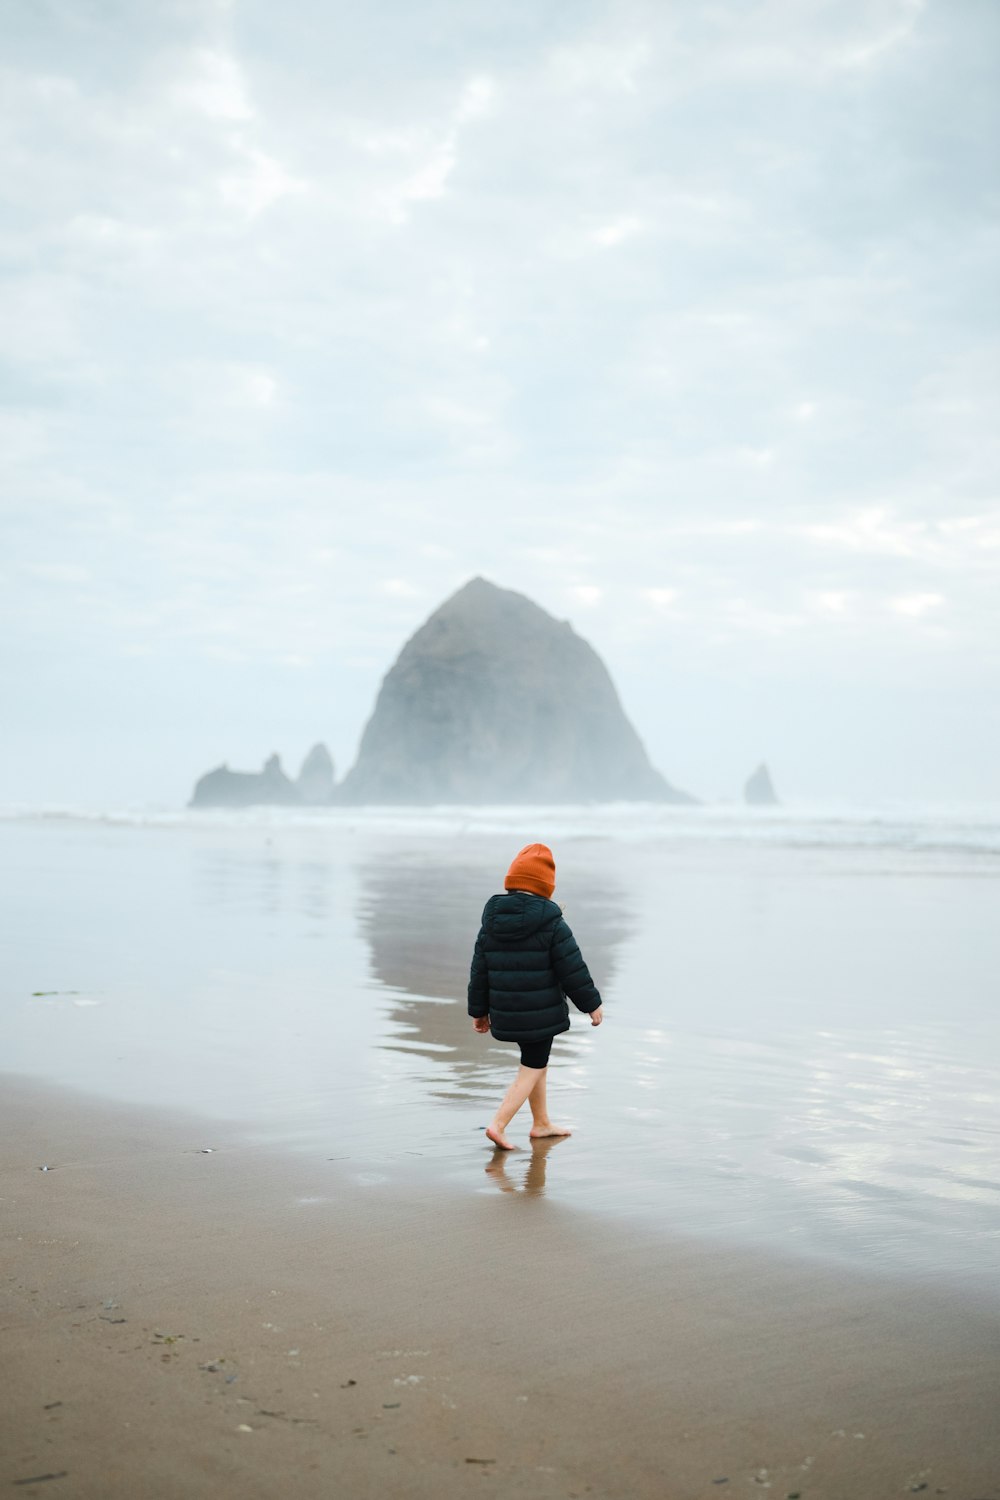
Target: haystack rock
x,y
759,790
225,788
315,781
493,700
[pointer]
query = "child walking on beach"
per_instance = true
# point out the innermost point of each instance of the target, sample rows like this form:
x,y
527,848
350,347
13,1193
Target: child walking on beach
x,y
526,961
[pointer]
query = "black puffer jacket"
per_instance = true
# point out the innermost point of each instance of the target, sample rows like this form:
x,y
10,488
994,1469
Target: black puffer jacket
x,y
526,962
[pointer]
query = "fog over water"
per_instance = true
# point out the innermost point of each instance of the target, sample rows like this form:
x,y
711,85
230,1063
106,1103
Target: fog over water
x,y
801,1045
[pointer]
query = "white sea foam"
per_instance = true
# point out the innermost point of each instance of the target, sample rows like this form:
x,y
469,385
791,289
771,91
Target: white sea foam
x,y
959,830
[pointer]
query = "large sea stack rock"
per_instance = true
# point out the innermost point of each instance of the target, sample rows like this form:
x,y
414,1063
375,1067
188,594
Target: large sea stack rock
x,y
225,788
495,701
759,790
315,781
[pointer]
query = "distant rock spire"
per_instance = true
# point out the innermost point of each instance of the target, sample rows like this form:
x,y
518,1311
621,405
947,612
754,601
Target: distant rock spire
x,y
315,781
759,790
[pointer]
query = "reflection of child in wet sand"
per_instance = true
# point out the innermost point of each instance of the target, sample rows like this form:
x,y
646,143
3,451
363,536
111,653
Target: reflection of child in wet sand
x,y
533,1179
526,961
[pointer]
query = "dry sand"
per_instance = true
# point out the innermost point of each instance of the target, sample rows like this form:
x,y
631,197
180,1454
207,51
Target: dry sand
x,y
242,1323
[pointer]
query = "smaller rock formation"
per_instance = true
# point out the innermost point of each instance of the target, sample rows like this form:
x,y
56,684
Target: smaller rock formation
x,y
759,790
315,781
225,788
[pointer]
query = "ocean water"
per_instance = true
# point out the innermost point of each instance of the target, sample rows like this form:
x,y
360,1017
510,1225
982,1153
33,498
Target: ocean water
x,y
802,1044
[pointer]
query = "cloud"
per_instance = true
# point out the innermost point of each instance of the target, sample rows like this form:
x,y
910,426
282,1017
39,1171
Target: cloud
x,y
430,178
426,154
835,602
253,386
258,181
587,594
660,598
477,99
915,606
677,318
399,588
212,83
880,532
820,44
616,232
603,60
53,572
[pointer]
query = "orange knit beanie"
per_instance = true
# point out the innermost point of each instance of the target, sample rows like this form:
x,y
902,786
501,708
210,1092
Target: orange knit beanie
x,y
533,869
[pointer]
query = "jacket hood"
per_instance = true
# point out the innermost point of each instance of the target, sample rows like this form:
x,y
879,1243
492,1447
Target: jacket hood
x,y
516,915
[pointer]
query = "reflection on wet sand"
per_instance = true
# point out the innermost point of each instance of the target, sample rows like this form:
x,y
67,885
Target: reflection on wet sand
x,y
510,1173
264,881
420,914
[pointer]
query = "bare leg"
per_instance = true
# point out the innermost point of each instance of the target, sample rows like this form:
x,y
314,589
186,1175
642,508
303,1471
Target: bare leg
x,y
515,1096
538,1099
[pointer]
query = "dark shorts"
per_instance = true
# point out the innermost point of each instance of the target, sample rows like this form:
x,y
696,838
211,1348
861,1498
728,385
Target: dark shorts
x,y
535,1054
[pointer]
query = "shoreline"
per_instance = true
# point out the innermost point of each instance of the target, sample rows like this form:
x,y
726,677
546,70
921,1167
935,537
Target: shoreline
x,y
179,1321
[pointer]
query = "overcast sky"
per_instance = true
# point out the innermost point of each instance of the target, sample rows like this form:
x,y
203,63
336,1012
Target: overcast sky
x,y
679,317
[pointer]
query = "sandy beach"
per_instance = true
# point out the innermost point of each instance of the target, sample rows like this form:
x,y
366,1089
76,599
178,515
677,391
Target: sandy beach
x,y
185,1321
272,1254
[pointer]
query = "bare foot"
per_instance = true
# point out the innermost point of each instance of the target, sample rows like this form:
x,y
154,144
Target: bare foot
x,y
494,1134
539,1132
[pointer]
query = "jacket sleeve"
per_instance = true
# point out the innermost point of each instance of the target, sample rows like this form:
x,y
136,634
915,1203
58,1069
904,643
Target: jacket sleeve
x,y
571,971
479,985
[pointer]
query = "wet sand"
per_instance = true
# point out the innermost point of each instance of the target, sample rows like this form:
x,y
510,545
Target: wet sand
x,y
801,1038
240,1322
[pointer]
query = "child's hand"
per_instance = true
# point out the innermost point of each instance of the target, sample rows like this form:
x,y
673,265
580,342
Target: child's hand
x,y
481,1024
597,1016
